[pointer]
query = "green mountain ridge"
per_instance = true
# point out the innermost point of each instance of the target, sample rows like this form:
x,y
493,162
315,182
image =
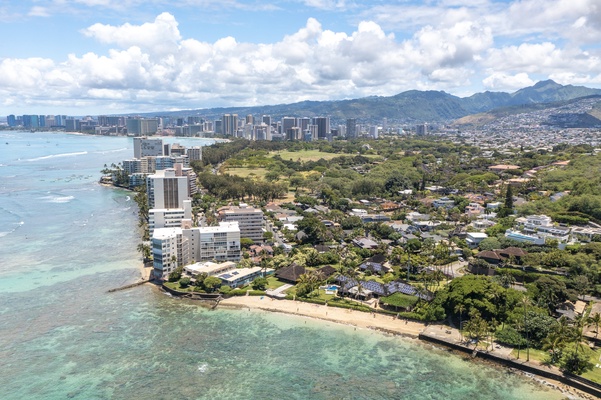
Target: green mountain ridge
x,y
412,106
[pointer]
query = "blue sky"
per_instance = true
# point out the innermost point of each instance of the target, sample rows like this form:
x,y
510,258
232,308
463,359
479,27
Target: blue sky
x,y
115,56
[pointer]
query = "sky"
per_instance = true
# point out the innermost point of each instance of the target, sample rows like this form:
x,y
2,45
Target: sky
x,y
92,57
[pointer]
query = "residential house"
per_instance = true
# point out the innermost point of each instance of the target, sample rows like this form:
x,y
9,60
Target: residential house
x,y
290,273
473,239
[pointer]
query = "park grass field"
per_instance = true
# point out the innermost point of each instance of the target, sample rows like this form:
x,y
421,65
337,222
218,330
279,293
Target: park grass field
x,y
246,172
311,155
304,155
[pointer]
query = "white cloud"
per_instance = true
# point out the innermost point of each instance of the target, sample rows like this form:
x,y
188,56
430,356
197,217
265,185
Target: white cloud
x,y
153,64
542,58
453,46
38,11
326,4
158,37
499,81
578,20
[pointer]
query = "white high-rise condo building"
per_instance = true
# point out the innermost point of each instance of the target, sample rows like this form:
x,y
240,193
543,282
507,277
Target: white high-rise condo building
x,y
250,220
144,147
173,247
165,189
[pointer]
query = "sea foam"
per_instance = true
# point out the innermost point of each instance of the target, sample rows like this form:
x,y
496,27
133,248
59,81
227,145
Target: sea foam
x,y
57,199
78,153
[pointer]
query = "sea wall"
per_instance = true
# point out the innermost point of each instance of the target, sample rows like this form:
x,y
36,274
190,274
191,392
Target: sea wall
x,y
577,382
192,295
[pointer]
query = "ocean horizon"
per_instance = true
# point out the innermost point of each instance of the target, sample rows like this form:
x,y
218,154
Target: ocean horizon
x,y
65,240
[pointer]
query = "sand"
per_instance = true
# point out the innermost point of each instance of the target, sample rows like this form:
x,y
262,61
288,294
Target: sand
x,y
333,314
379,322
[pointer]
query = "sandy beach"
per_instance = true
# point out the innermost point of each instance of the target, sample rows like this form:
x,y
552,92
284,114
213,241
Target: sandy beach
x,y
332,314
379,322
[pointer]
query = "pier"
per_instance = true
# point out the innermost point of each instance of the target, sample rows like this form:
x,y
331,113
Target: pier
x,y
128,286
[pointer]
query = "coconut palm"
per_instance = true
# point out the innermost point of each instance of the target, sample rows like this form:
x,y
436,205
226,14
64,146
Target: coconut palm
x,y
595,320
145,250
460,308
553,343
525,302
505,280
579,324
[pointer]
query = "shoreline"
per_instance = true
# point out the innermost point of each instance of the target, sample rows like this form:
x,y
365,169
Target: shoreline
x,y
349,317
382,324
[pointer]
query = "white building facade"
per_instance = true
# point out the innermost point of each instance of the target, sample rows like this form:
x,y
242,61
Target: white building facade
x,y
173,247
250,220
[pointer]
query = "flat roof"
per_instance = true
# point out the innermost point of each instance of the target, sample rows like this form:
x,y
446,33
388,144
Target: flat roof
x,y
239,273
209,267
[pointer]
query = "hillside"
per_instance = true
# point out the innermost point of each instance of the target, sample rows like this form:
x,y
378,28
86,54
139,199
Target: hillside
x,y
583,112
412,106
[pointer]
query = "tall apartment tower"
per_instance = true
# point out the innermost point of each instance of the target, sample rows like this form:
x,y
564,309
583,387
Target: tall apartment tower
x,y
180,246
288,123
323,127
167,190
267,120
250,220
229,124
142,126
351,128
194,153
144,147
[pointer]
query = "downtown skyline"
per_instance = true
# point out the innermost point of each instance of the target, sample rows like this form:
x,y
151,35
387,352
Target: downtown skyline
x,y
106,57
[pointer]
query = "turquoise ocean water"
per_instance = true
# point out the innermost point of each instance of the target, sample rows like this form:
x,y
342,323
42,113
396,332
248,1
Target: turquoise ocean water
x,y
65,240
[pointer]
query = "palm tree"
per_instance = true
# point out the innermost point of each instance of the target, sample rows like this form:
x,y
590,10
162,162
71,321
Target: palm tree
x,y
595,319
311,280
460,308
553,343
265,261
145,250
579,324
505,280
525,302
359,290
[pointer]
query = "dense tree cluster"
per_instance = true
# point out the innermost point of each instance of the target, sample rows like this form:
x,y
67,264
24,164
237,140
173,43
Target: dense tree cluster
x,y
234,187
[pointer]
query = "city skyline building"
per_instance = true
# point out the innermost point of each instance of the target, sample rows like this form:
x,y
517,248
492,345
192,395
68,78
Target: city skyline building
x,y
229,124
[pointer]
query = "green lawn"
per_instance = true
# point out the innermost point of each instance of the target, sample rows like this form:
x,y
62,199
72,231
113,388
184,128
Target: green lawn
x,y
541,356
273,282
313,155
535,354
595,374
246,172
305,155
176,286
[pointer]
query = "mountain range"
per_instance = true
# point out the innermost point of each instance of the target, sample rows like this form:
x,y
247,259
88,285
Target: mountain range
x,y
412,106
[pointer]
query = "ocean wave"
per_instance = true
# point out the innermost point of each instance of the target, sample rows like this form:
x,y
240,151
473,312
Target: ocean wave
x,y
111,151
18,224
57,199
79,153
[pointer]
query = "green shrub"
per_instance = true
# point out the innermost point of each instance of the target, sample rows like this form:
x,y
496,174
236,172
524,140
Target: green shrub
x,y
225,289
